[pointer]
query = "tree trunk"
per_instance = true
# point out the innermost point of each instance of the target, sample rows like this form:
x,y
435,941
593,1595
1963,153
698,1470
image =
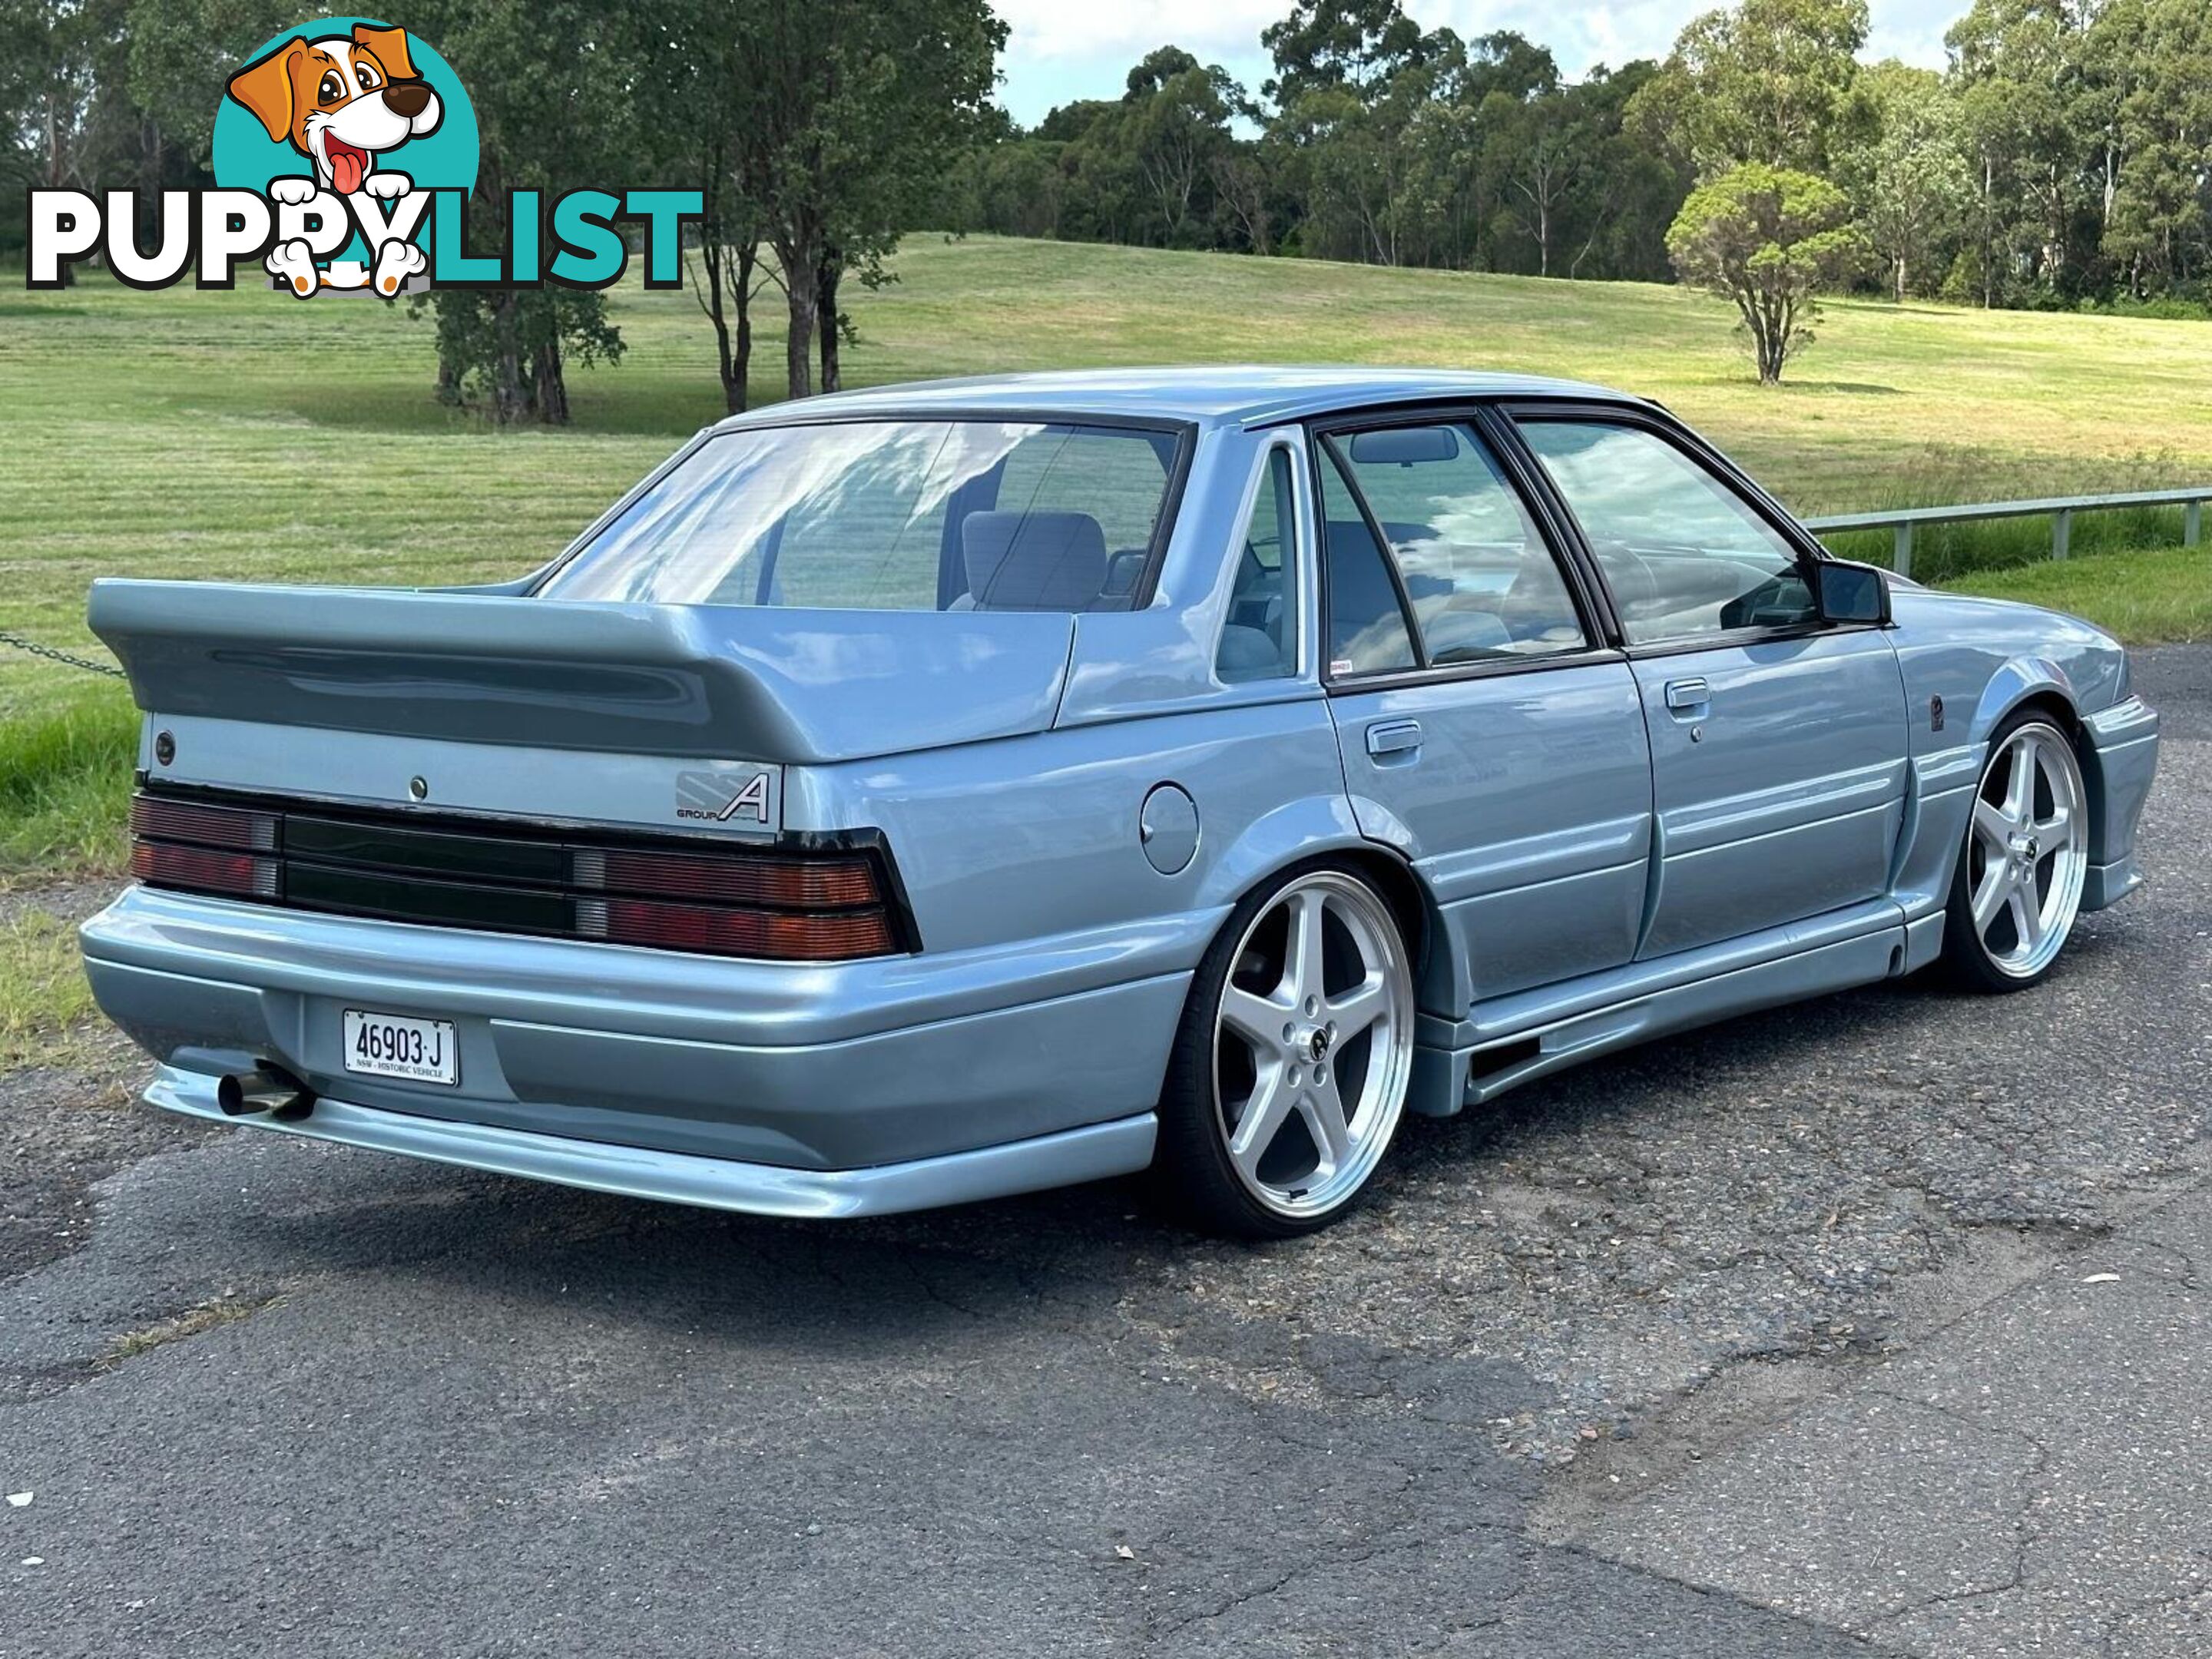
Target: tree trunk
x,y
738,375
549,385
798,241
715,259
799,338
712,258
509,397
1988,264
1766,335
1900,279
825,287
54,177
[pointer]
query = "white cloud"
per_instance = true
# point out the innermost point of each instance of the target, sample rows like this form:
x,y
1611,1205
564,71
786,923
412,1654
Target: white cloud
x,y
1913,30
1061,49
1113,36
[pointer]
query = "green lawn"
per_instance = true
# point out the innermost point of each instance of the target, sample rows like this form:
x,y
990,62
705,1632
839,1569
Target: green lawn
x,y
2158,594
247,435
43,993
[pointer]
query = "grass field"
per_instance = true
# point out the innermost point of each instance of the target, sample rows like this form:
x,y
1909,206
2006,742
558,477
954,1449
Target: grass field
x,y
246,435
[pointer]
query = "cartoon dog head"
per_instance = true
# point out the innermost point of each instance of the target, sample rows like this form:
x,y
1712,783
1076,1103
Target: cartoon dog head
x,y
340,101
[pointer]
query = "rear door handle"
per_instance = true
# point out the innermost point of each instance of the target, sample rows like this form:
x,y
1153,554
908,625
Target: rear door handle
x,y
1394,737
1684,695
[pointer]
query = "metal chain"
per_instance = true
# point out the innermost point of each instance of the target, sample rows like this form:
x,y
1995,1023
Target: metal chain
x,y
52,655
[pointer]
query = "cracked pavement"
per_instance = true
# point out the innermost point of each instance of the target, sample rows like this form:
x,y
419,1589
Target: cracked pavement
x,y
1870,1325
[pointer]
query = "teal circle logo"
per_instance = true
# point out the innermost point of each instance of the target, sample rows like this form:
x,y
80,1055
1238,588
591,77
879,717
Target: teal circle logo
x,y
256,145
351,108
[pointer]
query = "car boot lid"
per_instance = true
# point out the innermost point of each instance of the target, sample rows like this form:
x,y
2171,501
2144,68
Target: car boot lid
x,y
711,681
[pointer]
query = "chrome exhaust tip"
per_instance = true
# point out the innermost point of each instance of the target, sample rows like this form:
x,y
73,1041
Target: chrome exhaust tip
x,y
265,1090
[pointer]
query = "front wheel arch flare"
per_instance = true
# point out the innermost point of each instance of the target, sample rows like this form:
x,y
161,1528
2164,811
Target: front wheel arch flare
x,y
2056,706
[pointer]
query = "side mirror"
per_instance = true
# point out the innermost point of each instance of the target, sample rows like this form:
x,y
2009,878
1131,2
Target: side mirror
x,y
1845,592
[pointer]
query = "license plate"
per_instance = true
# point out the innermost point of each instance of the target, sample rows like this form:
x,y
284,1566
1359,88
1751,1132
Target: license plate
x,y
392,1045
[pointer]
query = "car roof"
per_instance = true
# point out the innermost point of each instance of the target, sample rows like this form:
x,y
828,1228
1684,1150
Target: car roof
x,y
1246,394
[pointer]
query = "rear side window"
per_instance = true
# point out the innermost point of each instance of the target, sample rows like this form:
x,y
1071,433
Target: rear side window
x,y
1367,631
1684,554
891,515
1259,640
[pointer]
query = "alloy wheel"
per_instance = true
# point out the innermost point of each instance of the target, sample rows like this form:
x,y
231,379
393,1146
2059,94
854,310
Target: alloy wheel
x,y
1313,1045
2027,851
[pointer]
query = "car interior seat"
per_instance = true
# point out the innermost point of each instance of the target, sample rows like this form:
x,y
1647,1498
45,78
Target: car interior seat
x,y
1032,561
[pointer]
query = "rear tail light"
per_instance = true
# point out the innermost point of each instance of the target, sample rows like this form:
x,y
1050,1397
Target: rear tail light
x,y
206,870
825,906
788,910
155,818
204,850
827,884
835,936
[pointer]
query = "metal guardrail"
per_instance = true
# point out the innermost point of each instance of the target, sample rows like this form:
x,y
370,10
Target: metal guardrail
x,y
2060,510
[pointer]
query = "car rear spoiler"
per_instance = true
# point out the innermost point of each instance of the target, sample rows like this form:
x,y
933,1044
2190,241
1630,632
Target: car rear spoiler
x,y
706,681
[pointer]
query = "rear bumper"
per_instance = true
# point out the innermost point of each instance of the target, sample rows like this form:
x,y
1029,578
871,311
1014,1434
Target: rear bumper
x,y
1091,1153
834,1070
2123,743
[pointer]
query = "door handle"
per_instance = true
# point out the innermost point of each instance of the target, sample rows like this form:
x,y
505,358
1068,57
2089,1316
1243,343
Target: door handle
x,y
1394,737
1685,695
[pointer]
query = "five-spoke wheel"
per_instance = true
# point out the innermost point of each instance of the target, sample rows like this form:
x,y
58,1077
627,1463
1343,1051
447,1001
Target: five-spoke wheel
x,y
1291,1068
2019,883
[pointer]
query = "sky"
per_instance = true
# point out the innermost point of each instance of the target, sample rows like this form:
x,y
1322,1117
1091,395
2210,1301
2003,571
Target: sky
x,y
1061,49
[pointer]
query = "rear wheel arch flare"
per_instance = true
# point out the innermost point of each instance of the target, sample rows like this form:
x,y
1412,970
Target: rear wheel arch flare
x,y
1408,897
1389,873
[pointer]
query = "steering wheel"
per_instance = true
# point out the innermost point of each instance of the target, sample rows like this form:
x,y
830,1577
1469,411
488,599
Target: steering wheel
x,y
1631,576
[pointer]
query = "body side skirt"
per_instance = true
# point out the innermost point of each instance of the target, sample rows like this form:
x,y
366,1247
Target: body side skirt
x,y
1515,1038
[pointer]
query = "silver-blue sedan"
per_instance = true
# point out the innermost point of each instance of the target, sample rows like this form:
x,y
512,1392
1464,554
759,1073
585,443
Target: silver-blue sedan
x,y
913,796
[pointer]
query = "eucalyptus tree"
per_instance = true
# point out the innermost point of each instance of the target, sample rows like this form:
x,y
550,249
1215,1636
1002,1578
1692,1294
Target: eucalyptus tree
x,y
1909,178
1539,147
2155,58
553,88
2018,67
1357,47
1774,81
697,106
861,108
1768,239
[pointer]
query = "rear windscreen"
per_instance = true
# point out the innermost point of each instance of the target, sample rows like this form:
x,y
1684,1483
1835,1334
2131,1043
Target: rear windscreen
x,y
891,515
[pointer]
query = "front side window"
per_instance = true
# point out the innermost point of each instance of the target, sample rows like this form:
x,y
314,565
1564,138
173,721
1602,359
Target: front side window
x,y
1259,640
890,515
1684,554
1481,581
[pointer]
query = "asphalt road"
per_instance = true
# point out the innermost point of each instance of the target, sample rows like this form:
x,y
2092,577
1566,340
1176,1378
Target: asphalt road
x,y
1870,1325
